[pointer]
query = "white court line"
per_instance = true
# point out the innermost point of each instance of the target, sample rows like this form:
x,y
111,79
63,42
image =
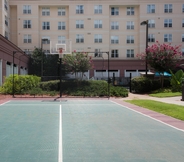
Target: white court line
x,y
4,103
150,117
60,154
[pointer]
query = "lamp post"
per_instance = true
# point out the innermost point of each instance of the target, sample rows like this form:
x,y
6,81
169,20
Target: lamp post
x,y
13,84
146,23
108,76
42,40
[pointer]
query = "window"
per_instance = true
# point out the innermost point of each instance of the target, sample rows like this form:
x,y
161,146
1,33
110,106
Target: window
x,y
151,38
183,23
79,24
79,38
46,25
182,51
61,11
79,9
130,10
98,24
45,11
168,8
168,23
151,24
167,37
97,53
5,4
6,34
130,25
6,20
151,8
98,9
114,25
61,39
182,37
61,26
130,39
130,53
26,9
98,38
27,51
27,38
114,39
114,53
27,24
114,11
45,40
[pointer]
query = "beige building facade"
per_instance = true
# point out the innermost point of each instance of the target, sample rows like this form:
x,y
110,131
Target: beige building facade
x,y
95,25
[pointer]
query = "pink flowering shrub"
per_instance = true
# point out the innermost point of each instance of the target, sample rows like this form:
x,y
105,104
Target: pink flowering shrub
x,y
161,57
77,62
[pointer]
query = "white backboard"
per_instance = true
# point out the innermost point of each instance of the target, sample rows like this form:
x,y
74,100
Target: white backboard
x,y
66,45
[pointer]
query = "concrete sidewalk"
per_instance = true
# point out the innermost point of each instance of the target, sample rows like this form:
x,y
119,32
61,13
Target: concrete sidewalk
x,y
171,100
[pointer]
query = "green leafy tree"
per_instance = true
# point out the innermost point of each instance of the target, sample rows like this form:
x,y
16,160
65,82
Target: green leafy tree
x,y
176,80
35,62
51,65
161,57
77,62
50,62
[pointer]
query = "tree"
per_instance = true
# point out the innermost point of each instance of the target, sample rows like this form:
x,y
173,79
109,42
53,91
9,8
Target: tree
x,y
161,57
77,62
35,62
48,64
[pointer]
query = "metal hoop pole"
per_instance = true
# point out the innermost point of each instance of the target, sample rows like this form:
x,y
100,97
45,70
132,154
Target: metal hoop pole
x,y
60,51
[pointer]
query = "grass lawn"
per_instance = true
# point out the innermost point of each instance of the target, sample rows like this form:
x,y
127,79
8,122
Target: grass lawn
x,y
165,94
172,110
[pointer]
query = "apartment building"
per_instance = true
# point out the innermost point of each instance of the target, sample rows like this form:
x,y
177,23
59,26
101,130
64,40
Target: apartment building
x,y
93,26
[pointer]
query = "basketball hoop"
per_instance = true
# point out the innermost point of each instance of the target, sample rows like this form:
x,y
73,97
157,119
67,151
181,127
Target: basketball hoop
x,y
58,47
60,51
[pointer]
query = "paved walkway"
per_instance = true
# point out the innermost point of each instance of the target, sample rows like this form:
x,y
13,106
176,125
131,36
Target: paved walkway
x,y
171,100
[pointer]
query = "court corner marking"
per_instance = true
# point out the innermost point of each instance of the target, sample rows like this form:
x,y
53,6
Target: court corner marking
x,y
150,117
5,103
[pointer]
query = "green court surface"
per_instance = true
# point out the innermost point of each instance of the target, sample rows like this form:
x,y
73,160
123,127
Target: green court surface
x,y
84,131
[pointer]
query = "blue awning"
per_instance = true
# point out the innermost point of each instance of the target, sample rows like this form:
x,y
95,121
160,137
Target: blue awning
x,y
165,74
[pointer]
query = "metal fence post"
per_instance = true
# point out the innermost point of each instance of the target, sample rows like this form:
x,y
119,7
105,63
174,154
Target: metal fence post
x,y
130,86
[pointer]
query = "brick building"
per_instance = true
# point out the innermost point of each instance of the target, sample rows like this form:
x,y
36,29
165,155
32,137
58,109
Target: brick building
x,y
6,59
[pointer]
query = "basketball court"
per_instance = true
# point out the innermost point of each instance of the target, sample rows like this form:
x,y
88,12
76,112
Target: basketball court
x,y
92,130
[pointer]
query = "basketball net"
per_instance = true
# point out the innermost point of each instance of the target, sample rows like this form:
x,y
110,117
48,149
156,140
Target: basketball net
x,y
60,51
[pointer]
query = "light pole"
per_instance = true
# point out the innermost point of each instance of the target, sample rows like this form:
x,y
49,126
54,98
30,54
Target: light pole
x,y
108,76
13,84
42,40
146,23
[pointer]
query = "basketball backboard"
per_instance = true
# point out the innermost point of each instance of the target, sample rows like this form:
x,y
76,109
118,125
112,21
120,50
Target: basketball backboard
x,y
66,45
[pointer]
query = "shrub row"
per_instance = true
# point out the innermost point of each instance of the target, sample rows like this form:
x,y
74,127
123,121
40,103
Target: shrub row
x,y
22,84
85,88
144,85
29,84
